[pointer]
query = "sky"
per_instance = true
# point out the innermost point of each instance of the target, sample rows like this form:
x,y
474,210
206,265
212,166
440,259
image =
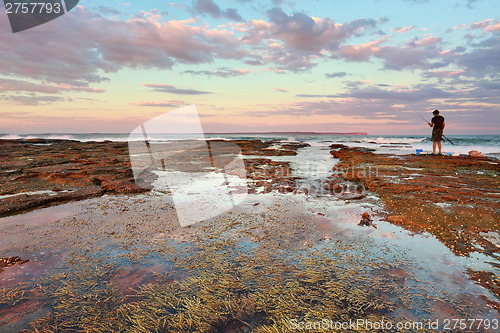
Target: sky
x,y
108,66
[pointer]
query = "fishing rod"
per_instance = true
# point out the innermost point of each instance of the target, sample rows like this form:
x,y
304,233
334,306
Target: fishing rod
x,y
418,114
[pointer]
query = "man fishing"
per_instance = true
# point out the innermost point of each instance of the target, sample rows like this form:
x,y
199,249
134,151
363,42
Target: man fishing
x,y
437,124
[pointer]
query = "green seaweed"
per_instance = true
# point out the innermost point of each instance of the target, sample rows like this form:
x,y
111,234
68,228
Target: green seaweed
x,y
256,290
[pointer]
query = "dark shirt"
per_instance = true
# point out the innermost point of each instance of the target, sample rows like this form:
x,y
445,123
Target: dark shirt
x,y
438,122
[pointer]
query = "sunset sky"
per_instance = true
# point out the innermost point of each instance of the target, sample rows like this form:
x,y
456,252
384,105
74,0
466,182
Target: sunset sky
x,y
250,66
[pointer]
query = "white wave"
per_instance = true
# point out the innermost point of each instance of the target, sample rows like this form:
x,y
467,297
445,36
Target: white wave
x,y
51,137
38,136
381,140
220,138
10,137
318,143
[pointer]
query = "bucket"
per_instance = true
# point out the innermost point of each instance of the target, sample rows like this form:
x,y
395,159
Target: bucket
x,y
418,151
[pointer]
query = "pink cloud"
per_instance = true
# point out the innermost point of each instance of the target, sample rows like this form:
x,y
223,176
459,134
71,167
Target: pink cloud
x,y
95,44
428,41
403,30
416,53
302,32
488,25
71,59
442,74
361,52
294,42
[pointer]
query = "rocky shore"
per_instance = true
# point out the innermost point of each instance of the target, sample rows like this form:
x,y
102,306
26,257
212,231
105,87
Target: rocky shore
x,y
39,173
456,199
111,263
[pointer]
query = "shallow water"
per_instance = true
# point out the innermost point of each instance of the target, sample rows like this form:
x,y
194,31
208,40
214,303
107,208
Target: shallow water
x,y
139,236
434,264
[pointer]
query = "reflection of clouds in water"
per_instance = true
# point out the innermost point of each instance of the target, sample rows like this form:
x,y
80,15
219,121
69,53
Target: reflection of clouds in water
x,y
389,235
200,196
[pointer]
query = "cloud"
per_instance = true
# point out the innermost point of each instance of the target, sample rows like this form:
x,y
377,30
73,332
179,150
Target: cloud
x,y
163,104
109,11
316,96
254,62
360,52
166,88
343,110
281,90
488,25
403,30
212,9
232,14
305,33
281,42
14,115
335,74
144,41
470,4
410,58
296,42
445,74
221,72
415,94
481,60
21,85
424,53
32,100
489,85
283,60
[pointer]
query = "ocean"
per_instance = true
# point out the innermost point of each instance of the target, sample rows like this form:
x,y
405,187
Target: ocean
x,y
489,145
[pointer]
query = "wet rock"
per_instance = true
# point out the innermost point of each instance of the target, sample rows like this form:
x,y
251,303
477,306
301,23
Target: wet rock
x,y
10,261
295,145
72,170
366,221
25,202
37,141
439,196
337,154
121,187
337,146
265,175
475,153
351,196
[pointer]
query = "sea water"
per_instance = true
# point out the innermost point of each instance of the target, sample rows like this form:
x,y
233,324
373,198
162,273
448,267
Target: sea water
x,y
489,145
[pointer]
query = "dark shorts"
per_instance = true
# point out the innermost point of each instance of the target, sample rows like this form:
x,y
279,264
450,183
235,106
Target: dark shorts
x,y
437,135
